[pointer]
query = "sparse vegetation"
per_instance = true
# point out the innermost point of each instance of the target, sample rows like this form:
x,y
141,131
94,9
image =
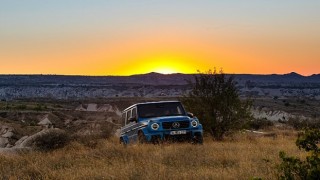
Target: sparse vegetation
x,y
300,124
21,107
244,157
38,107
53,139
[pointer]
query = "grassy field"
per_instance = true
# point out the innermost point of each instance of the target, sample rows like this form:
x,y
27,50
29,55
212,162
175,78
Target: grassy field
x,y
241,157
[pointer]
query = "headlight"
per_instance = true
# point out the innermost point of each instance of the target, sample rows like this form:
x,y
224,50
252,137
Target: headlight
x,y
155,126
194,123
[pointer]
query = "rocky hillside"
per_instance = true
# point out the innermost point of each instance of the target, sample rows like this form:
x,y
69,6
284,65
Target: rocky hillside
x,y
18,128
149,85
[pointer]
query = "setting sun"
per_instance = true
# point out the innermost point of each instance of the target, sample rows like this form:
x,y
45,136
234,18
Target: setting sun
x,y
165,65
165,70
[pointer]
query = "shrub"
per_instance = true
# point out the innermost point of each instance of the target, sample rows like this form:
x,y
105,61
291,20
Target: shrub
x,y
214,98
293,167
51,140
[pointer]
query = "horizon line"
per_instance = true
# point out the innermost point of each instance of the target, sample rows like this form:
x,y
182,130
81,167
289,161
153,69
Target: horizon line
x,y
109,75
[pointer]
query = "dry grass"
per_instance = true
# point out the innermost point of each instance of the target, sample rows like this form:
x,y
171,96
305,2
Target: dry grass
x,y
243,157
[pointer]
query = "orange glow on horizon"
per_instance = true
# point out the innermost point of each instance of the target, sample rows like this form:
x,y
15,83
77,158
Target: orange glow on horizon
x,y
178,53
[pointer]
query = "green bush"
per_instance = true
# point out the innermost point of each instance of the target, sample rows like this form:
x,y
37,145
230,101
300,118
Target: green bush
x,y
293,167
53,139
214,99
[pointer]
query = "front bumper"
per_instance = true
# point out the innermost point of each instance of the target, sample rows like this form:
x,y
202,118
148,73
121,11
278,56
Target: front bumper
x,y
166,135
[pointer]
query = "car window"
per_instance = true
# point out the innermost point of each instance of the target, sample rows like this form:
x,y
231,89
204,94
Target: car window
x,y
160,109
128,116
134,112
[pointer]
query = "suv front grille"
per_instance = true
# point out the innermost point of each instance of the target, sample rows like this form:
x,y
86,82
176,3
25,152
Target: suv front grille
x,y
170,125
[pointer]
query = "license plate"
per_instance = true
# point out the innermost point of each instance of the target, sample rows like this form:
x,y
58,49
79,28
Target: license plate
x,y
178,132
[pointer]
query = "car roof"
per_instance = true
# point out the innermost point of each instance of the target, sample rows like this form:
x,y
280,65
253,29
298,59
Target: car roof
x,y
155,102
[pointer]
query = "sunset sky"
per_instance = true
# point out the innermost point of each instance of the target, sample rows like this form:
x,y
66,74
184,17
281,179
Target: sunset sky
x,y
124,37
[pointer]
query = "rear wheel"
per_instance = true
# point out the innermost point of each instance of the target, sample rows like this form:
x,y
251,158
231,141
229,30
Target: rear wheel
x,y
122,142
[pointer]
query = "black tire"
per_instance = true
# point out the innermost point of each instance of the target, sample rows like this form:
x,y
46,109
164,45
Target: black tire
x,y
141,138
198,139
122,142
155,140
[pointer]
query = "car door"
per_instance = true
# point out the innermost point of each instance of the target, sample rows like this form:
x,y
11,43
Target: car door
x,y
135,127
130,129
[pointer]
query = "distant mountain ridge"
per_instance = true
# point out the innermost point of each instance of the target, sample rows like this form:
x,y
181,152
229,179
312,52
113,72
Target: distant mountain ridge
x,y
152,78
149,85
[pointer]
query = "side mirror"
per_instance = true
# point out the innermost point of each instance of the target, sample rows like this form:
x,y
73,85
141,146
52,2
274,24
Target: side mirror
x,y
133,119
190,115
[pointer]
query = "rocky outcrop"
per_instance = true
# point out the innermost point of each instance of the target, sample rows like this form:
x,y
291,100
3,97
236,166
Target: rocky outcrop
x,y
3,142
45,122
106,108
17,143
7,148
4,129
92,107
273,115
80,108
6,133
28,141
98,108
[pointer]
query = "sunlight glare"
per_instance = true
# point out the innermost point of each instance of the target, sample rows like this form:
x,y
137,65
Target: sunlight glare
x,y
165,70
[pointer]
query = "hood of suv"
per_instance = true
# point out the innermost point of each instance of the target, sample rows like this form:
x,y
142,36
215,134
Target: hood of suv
x,y
168,119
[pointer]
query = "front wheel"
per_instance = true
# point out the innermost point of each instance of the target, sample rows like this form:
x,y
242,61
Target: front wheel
x,y
141,138
197,139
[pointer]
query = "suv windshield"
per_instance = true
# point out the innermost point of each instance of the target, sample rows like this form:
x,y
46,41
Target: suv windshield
x,y
160,109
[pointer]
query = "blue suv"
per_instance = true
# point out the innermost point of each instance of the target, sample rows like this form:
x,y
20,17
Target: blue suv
x,y
159,121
